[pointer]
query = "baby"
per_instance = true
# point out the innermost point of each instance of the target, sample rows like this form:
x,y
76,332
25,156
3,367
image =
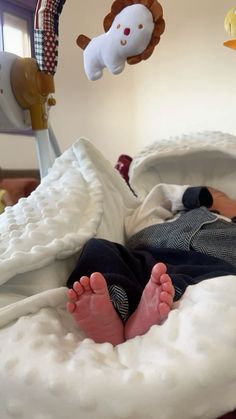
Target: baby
x,y
138,283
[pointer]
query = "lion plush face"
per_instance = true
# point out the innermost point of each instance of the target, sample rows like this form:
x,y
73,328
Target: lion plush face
x,y
132,30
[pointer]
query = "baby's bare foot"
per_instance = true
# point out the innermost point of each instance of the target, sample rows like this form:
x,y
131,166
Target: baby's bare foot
x,y
155,303
90,305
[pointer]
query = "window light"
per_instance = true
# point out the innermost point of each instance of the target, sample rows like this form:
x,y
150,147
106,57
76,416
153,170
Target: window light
x,y
16,35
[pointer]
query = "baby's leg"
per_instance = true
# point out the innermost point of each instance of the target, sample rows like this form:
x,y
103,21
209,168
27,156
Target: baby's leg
x,y
90,305
155,304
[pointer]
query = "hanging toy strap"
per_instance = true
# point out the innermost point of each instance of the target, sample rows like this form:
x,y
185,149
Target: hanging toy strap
x,y
46,31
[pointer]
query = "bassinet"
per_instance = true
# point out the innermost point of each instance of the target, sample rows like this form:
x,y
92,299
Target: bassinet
x,y
184,369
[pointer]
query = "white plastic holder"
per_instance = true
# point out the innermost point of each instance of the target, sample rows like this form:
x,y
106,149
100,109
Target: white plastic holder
x,y
15,120
12,116
47,150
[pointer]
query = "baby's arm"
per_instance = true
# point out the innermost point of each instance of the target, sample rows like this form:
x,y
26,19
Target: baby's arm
x,y
222,203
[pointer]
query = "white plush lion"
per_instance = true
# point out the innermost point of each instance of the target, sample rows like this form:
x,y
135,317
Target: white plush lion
x,y
129,34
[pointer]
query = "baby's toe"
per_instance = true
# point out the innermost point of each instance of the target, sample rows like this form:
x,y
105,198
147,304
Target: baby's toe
x,y
168,287
85,282
78,288
72,295
164,310
167,298
70,307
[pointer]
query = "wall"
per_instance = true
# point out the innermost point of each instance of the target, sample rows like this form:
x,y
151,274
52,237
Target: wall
x,y
102,110
187,85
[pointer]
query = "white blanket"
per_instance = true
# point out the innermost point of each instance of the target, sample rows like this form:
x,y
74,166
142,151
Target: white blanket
x,y
183,369
83,196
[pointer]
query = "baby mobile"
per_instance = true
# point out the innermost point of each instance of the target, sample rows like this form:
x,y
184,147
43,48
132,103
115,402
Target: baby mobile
x,y
132,30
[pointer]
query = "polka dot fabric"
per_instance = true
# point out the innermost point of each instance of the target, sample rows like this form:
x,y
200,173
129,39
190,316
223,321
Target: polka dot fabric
x,y
46,34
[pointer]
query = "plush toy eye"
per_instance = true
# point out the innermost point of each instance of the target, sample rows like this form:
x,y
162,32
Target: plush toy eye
x,y
140,26
118,26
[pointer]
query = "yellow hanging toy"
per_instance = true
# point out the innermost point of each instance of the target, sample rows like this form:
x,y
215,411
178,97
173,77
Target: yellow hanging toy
x,y
230,27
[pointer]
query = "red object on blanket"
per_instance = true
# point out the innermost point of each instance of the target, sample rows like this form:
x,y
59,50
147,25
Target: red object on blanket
x,y
122,165
19,187
228,416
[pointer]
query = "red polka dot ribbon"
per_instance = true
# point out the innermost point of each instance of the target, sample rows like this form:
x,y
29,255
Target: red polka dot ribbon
x,y
46,33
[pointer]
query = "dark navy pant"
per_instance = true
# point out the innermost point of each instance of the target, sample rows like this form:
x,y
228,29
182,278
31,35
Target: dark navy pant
x,y
131,269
